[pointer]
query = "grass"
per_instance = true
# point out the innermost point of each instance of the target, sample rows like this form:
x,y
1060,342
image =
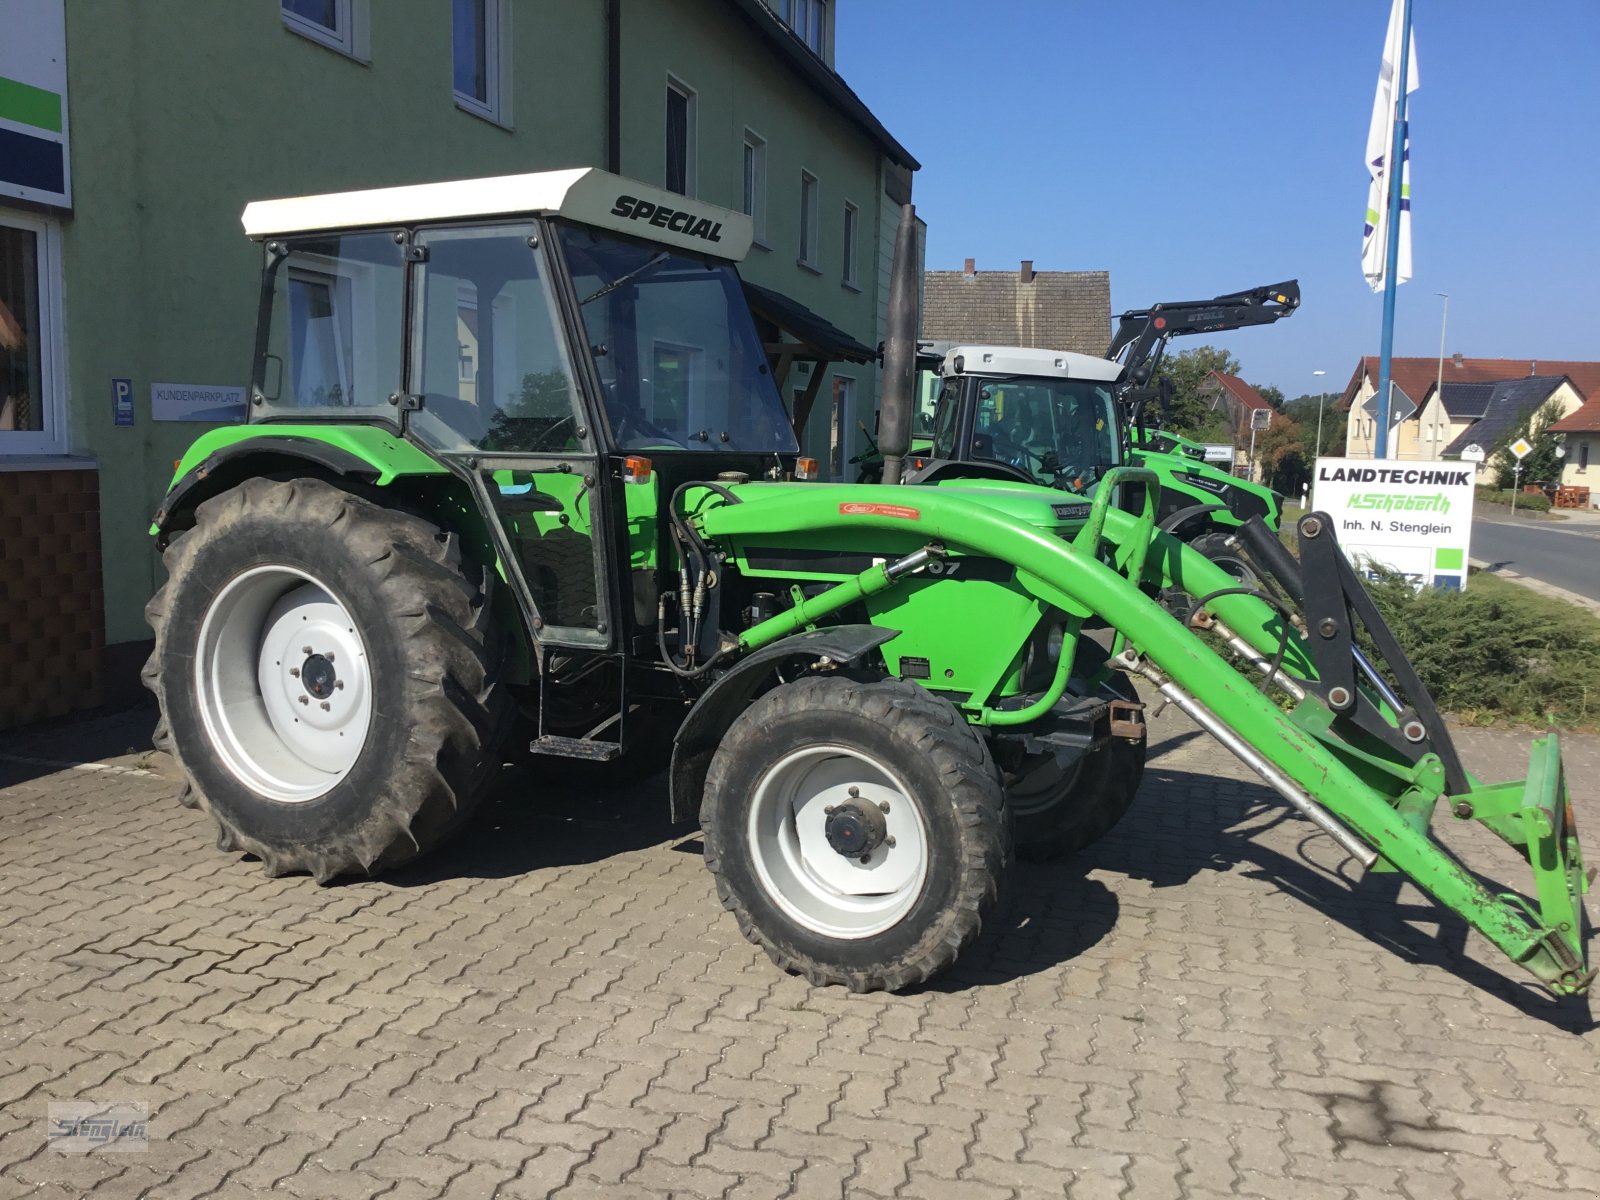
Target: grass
x,y
1498,653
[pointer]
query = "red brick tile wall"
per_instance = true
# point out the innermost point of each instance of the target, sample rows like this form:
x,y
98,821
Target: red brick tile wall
x,y
52,624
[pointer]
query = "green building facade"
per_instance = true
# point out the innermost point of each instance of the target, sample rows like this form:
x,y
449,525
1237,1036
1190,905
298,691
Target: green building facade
x,y
131,137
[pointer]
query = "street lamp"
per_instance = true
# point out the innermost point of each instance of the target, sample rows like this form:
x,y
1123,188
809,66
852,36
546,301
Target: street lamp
x,y
1438,388
1321,396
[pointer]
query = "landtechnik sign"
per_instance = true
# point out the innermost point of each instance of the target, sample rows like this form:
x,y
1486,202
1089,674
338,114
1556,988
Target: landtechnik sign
x,y
1414,518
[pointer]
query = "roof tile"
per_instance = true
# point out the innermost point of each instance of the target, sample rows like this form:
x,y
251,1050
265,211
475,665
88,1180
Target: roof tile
x,y
1417,376
1055,310
1241,391
1581,420
1510,401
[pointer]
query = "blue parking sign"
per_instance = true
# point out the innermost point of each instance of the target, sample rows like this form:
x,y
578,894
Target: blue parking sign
x,y
122,401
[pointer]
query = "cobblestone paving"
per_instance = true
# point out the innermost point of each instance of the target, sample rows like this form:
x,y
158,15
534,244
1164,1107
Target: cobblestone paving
x,y
1202,1005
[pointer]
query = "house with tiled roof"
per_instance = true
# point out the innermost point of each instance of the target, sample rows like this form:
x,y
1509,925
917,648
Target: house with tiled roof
x,y
1229,394
1581,431
1052,310
1431,427
1491,413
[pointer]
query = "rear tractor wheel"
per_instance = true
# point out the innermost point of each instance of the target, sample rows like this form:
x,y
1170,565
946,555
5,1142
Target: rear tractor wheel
x,y
1063,804
327,677
857,830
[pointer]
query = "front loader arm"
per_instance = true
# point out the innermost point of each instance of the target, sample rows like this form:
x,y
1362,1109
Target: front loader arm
x,y
1374,799
1142,332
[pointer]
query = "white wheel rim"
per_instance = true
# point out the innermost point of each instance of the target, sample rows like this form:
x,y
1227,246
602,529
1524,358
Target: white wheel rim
x,y
823,890
285,691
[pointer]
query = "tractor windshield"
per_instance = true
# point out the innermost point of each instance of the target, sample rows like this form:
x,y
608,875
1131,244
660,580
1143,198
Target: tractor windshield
x,y
1060,431
680,365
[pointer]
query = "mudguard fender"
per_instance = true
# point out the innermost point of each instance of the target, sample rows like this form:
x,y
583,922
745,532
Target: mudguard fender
x,y
731,694
221,458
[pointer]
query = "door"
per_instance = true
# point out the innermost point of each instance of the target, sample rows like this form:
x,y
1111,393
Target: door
x,y
495,393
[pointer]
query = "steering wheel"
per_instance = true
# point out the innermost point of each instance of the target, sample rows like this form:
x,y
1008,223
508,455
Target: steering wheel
x,y
1069,477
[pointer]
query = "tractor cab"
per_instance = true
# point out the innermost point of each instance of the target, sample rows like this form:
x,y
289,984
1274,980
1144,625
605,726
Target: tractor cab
x,y
542,335
1035,416
571,346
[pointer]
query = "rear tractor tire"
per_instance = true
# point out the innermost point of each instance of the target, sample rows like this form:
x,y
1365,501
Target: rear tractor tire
x,y
1062,805
857,830
326,669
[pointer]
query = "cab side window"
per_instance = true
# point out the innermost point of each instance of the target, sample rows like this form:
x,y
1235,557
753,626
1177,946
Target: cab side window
x,y
490,363
946,418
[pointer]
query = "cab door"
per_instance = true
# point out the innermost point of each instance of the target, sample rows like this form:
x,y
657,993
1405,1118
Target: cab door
x,y
493,392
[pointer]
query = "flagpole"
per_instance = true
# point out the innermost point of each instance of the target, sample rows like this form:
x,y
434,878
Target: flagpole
x,y
1397,174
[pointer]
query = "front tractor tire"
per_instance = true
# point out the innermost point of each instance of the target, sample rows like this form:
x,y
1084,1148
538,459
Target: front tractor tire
x,y
1216,546
857,830
326,670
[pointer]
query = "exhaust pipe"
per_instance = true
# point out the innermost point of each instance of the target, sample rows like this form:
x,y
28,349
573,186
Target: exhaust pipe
x,y
899,350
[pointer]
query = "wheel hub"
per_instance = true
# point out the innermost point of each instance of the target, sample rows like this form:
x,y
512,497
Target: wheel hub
x,y
318,676
855,829
285,690
837,841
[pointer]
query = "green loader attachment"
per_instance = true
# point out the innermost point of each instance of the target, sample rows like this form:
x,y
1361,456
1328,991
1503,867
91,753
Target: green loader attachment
x,y
1354,745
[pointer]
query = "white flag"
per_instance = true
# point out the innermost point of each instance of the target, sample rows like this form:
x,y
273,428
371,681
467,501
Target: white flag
x,y
1380,142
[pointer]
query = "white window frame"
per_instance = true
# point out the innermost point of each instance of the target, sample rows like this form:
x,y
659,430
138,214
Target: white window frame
x,y
841,423
691,134
810,189
351,35
694,397
819,10
755,152
356,284
497,66
52,437
807,18
851,236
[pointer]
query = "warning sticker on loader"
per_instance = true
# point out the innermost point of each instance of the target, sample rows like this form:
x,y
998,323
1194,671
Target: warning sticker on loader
x,y
856,508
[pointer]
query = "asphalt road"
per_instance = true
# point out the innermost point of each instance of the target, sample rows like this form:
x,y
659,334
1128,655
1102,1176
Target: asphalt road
x,y
1563,553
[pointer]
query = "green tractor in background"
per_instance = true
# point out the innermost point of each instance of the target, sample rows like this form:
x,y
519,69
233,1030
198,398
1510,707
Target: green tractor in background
x,y
1014,413
464,523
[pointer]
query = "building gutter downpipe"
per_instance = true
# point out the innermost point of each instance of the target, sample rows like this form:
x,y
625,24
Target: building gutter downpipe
x,y
614,86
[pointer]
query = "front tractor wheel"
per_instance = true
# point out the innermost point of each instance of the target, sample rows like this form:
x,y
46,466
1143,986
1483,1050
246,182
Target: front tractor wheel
x,y
857,830
1216,546
326,677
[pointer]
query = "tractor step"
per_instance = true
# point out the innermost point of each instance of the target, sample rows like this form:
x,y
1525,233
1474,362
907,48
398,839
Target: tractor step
x,y
569,747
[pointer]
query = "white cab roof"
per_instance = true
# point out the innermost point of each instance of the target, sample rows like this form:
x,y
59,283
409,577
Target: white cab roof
x,y
585,194
1020,360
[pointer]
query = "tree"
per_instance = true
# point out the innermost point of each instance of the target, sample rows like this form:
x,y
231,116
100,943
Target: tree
x,y
1281,452
1190,414
1541,464
1272,395
1303,411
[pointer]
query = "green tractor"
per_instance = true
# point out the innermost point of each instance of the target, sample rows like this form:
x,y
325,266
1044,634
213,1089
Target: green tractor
x,y
1039,416
517,480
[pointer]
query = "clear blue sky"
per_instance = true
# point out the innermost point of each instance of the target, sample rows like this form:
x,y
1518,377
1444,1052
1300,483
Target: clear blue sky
x,y
1199,148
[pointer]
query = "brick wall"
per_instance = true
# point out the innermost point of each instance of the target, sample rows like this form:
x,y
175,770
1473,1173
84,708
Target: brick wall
x,y
52,626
